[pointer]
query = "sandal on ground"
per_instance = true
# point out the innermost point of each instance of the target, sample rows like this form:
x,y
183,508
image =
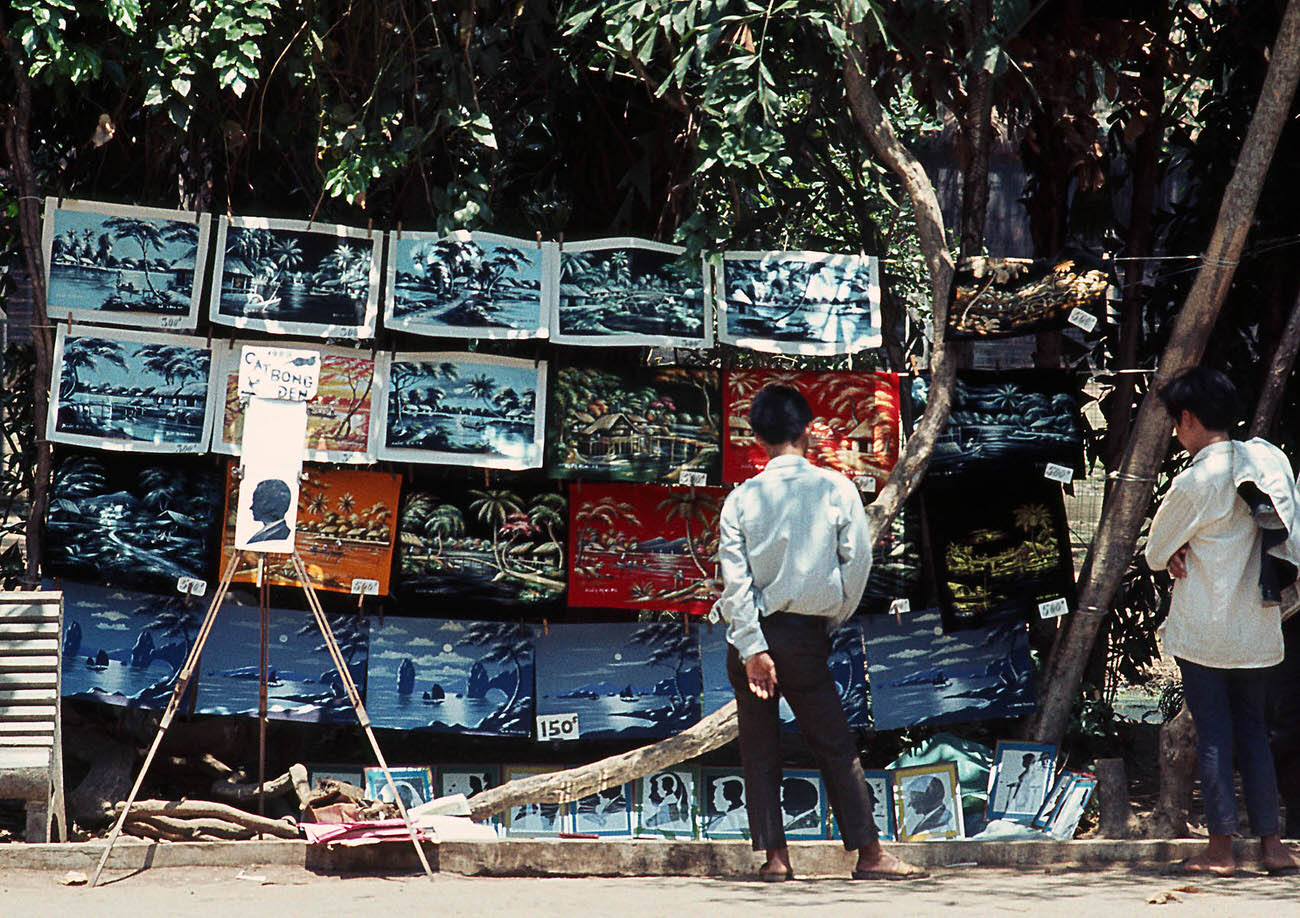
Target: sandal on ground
x,y
1187,867
1283,870
775,876
912,872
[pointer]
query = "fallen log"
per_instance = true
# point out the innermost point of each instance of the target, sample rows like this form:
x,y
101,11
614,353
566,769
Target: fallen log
x,y
234,789
143,828
188,809
200,829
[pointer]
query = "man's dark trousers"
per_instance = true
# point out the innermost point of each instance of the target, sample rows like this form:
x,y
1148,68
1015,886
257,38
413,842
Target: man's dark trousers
x,y
799,646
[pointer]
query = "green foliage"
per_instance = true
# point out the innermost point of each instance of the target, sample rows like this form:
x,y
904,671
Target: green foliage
x,y
17,439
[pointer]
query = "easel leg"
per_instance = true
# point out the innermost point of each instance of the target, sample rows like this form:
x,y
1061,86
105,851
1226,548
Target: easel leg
x,y
264,616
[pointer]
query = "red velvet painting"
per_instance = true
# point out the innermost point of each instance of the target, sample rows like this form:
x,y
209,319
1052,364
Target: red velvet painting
x,y
854,430
644,547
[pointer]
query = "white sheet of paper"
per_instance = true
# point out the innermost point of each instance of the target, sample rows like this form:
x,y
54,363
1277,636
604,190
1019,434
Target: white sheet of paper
x,y
281,373
271,460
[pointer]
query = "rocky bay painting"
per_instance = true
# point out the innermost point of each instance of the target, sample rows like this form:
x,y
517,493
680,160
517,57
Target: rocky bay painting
x,y
996,297
447,676
922,674
497,545
799,302
469,285
340,419
668,804
854,428
138,523
141,267
455,408
623,680
294,278
131,391
644,547
630,292
634,424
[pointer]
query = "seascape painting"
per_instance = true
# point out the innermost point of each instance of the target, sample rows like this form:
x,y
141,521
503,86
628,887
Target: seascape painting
x,y
339,427
799,302
993,297
666,804
896,564
462,409
854,426
451,676
722,804
535,819
491,545
644,547
634,424
140,267
130,391
468,285
921,674
606,812
630,292
137,524
623,680
294,278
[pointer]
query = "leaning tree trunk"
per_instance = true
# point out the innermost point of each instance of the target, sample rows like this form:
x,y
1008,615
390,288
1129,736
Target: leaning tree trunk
x,y
1279,371
1126,506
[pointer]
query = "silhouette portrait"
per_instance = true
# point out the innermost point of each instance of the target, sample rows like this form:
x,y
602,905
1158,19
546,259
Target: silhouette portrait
x,y
270,503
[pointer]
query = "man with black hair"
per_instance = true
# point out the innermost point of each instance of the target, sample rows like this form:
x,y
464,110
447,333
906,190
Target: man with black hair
x,y
1221,630
794,553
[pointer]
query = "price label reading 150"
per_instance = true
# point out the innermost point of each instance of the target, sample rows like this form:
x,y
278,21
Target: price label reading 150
x,y
557,727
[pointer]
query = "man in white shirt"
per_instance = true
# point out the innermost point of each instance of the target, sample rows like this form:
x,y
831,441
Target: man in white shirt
x,y
795,551
1221,632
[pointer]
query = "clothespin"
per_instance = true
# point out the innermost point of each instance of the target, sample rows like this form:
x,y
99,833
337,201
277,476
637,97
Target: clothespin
x,y
546,627
560,242
370,227
399,229
539,240
487,482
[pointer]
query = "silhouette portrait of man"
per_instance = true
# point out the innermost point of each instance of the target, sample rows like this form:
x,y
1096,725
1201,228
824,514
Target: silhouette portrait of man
x,y
728,797
927,806
271,499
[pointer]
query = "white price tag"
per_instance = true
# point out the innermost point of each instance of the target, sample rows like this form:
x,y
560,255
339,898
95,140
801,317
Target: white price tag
x,y
1053,608
192,586
557,726
1085,320
866,483
900,607
694,479
363,587
1062,473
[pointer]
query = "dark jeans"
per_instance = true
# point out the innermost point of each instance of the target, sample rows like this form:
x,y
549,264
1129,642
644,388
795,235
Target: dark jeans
x,y
799,647
1230,708
1284,718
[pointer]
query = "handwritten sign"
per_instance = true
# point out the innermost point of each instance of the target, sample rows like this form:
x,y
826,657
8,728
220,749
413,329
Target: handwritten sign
x,y
694,479
191,586
557,727
363,587
285,374
1053,608
1062,473
1084,320
866,483
900,607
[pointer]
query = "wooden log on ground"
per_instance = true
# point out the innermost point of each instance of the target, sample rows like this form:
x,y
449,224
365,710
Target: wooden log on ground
x,y
190,809
1117,820
234,789
200,828
301,785
1177,772
143,828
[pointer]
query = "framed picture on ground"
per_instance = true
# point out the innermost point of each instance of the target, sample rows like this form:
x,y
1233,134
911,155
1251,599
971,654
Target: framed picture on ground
x,y
1020,779
1053,799
722,804
467,779
880,796
1064,821
606,812
533,820
349,774
413,782
803,805
666,804
927,802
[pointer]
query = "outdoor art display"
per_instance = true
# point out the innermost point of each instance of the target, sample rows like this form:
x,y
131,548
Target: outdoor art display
x,y
455,408
130,391
921,674
896,564
854,426
1020,779
294,278
722,804
414,784
535,819
623,680
644,547
629,292
634,424
135,266
1023,417
473,544
666,804
993,297
339,427
999,543
451,676
606,812
928,802
469,285
1067,802
798,302
345,530
137,524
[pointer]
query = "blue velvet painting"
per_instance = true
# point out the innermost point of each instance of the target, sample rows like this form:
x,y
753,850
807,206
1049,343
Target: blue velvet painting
x,y
451,676
922,675
606,812
896,564
302,683
623,680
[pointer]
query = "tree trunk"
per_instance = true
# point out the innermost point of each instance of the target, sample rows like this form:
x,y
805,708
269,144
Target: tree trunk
x,y
1126,507
1117,820
112,768
977,127
1177,771
200,809
1279,371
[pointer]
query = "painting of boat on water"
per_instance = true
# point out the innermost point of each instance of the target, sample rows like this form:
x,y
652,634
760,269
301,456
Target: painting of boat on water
x,y
634,424
644,547
469,285
451,676
455,408
799,302
140,524
294,278
922,674
483,545
623,680
995,297
630,292
140,267
130,391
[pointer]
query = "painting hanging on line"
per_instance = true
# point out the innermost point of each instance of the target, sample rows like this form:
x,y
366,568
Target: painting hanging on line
x,y
896,565
808,303
290,277
995,297
139,267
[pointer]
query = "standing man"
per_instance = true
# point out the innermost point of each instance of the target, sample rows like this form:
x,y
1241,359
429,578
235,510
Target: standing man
x,y
795,551
1220,631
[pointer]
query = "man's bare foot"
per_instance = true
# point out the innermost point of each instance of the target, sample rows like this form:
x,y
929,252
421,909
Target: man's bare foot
x,y
1276,857
777,865
1207,864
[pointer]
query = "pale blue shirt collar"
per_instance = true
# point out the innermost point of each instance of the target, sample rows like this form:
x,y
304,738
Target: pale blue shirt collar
x,y
789,460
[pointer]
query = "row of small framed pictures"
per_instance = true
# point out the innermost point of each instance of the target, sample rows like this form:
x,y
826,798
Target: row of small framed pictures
x,y
1024,787
145,268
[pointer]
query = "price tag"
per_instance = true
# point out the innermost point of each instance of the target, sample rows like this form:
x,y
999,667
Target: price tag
x,y
900,606
866,483
557,726
1085,320
694,479
1053,608
192,586
1062,473
362,587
